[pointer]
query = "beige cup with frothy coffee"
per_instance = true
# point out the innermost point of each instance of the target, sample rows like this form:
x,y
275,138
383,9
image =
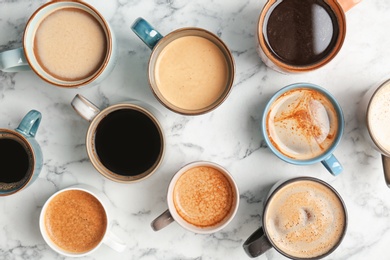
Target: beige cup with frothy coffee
x,y
74,222
202,197
303,218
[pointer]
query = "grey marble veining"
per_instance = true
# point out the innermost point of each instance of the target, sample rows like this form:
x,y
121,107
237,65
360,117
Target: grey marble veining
x,y
230,135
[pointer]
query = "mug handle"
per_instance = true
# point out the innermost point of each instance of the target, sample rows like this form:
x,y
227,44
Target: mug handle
x,y
386,169
114,242
146,32
332,165
348,4
13,61
85,108
257,244
30,123
162,221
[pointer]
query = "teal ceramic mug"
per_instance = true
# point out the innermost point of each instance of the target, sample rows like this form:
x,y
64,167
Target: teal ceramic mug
x,y
21,157
191,70
302,124
67,43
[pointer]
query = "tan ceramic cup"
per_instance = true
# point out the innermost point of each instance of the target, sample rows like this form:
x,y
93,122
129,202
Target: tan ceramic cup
x,y
339,8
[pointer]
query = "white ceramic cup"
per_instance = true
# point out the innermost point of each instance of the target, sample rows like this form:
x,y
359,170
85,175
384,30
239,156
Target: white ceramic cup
x,y
171,214
24,58
109,238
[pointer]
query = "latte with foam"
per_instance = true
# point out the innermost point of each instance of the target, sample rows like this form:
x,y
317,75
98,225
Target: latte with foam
x,y
305,219
302,123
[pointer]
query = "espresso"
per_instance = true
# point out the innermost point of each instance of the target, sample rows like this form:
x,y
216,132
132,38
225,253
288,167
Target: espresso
x,y
75,221
305,219
191,73
378,117
203,196
302,123
15,161
70,44
301,32
128,142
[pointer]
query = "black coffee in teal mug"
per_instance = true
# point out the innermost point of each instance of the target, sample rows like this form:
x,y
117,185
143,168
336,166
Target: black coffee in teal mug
x,y
191,70
21,157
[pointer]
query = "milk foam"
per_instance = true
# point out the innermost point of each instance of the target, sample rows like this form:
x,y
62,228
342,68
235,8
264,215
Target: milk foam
x,y
302,123
305,219
70,44
379,117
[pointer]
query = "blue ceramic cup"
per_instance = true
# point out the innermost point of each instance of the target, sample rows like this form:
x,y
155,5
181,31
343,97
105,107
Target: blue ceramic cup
x,y
191,70
21,157
302,124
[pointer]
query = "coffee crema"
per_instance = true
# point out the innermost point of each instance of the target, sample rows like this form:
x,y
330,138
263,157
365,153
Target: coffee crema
x,y
305,219
75,221
203,196
301,32
378,117
191,73
70,44
302,123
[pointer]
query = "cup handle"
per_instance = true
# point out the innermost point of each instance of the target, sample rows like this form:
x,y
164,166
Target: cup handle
x,y
146,32
348,4
85,108
257,243
162,221
386,169
13,61
332,165
30,123
114,242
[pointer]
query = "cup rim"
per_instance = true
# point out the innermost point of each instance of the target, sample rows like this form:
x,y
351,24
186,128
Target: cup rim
x,y
30,148
285,67
93,157
52,245
297,179
340,119
184,224
229,60
31,56
375,141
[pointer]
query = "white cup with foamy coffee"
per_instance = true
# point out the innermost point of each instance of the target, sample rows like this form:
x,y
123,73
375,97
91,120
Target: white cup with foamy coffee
x,y
374,117
202,197
75,222
303,218
66,43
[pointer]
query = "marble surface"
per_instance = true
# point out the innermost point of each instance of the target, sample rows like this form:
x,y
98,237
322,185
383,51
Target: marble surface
x,y
230,135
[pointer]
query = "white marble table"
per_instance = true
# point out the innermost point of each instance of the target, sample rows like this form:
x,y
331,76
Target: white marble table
x,y
229,136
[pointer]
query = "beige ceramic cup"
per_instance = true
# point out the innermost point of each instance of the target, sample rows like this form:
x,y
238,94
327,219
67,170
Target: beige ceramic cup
x,y
374,117
338,8
191,91
184,207
27,57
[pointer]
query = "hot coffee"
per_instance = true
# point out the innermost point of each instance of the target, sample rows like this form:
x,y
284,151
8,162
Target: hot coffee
x,y
191,73
15,161
301,32
305,219
70,44
203,196
302,123
75,221
128,142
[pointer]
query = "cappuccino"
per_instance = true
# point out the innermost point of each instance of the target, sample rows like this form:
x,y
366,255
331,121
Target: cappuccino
x,y
302,123
203,196
191,73
70,44
378,117
305,219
